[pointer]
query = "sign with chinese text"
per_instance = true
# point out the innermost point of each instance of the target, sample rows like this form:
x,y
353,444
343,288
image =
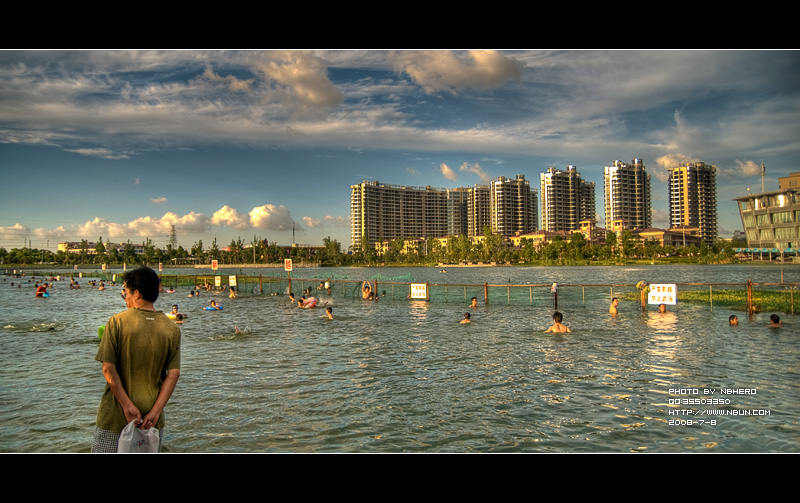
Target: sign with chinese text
x,y
419,291
663,293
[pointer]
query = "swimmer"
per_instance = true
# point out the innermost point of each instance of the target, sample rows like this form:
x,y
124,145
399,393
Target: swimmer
x,y
213,305
662,308
237,330
733,320
329,313
291,298
557,325
41,290
613,309
775,321
233,293
466,319
474,302
191,294
365,290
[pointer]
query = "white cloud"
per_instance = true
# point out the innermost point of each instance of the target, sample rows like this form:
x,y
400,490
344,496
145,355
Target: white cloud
x,y
448,173
477,170
158,200
230,217
311,222
741,169
337,221
452,72
272,217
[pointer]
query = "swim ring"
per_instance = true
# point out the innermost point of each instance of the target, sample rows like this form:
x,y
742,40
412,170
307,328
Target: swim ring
x,y
310,302
217,308
100,331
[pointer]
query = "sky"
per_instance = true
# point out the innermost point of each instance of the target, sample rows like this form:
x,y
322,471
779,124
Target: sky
x,y
231,145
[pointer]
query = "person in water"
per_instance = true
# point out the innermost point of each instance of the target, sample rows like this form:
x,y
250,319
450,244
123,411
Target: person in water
x,y
213,305
366,290
175,315
466,319
233,293
557,325
474,302
329,312
613,309
662,308
41,290
775,321
733,320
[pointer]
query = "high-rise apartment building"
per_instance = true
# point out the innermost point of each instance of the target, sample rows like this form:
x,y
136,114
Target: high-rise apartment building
x,y
693,198
513,206
626,194
479,209
457,215
566,199
381,212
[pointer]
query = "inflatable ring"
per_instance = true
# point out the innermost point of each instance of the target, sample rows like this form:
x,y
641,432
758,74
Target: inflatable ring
x,y
100,331
217,308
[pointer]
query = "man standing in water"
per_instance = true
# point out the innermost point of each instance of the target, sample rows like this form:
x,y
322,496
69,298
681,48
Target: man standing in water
x,y
613,309
141,355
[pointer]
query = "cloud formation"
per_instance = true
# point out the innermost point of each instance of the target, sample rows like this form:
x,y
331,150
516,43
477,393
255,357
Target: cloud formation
x,y
476,170
453,72
447,172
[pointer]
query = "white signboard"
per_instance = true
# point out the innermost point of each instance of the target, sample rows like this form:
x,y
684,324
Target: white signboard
x,y
287,264
231,280
663,293
419,291
218,281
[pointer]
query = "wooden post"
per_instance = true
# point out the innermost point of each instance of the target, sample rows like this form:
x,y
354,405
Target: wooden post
x,y
260,285
485,292
749,297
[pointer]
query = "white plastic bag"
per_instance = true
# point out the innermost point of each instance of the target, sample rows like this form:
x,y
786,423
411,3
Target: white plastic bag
x,y
132,439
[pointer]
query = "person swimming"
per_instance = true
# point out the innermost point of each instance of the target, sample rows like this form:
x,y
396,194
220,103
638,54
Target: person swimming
x,y
613,309
466,319
557,325
329,313
474,303
733,320
775,321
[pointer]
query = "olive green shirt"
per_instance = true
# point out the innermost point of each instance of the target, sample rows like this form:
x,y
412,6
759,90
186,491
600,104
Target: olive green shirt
x,y
142,345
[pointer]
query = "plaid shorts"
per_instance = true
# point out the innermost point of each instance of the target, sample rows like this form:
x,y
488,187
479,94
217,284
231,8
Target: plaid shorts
x,y
107,441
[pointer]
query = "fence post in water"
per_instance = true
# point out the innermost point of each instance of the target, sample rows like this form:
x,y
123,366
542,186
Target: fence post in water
x,y
260,285
749,297
485,292
710,298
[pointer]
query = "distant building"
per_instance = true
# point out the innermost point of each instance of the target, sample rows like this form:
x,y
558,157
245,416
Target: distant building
x,y
566,199
771,220
382,213
479,209
693,198
674,237
513,206
626,194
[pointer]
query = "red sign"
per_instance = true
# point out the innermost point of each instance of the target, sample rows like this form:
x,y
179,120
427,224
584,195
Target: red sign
x,y
213,265
287,264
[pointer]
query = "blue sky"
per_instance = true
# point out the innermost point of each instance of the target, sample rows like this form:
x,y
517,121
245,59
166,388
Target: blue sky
x,y
241,144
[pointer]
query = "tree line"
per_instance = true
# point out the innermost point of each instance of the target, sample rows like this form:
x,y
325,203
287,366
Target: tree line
x,y
454,250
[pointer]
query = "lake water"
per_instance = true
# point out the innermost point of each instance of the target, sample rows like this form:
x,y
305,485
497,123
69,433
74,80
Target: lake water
x,y
404,376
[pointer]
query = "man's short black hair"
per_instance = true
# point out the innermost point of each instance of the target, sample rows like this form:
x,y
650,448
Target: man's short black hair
x,y
557,317
144,280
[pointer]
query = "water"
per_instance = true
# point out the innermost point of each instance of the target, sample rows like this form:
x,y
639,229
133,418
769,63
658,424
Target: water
x,y
405,376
